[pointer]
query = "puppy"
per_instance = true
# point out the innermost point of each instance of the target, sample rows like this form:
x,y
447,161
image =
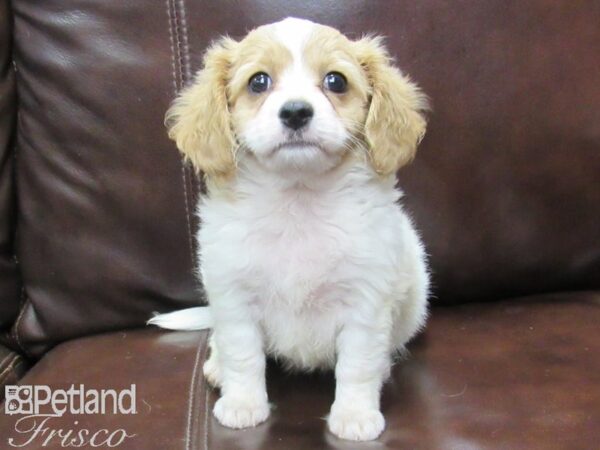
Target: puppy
x,y
305,253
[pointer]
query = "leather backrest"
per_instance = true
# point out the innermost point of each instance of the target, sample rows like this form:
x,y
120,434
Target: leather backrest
x,y
105,206
9,283
504,188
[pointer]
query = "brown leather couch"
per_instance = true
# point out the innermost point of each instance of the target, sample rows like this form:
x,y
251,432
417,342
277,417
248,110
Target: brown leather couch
x,y
97,221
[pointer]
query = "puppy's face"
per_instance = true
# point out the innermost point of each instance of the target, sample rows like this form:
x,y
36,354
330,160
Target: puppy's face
x,y
297,96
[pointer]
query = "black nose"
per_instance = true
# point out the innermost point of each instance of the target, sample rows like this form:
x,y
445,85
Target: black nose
x,y
295,114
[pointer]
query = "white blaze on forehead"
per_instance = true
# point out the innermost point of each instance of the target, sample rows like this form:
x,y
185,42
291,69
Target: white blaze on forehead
x,y
263,133
293,33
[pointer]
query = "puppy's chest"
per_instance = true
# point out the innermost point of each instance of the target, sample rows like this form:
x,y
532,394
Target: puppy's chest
x,y
299,248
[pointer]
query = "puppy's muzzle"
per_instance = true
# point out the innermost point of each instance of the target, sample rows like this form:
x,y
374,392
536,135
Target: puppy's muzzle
x,y
296,114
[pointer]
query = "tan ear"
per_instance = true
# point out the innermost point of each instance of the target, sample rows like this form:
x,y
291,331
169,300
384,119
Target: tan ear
x,y
199,120
395,122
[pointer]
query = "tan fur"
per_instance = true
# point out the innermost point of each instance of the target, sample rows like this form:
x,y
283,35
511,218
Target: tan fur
x,y
330,51
257,52
199,119
206,117
395,124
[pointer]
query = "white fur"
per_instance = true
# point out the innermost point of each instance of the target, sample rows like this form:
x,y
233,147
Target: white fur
x,y
198,318
309,258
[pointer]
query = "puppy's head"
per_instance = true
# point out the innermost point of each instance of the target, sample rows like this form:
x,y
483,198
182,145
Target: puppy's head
x,y
297,96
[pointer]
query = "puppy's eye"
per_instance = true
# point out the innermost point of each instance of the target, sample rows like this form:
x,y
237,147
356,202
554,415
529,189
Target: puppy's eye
x,y
259,82
335,82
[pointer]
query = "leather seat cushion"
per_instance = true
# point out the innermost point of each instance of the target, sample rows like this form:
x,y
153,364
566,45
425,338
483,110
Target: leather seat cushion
x,y
522,374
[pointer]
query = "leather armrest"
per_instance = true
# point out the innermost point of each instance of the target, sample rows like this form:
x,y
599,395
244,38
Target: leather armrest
x,y
9,282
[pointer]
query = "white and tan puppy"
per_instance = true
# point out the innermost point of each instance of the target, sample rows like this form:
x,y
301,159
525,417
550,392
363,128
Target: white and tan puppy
x,y
305,253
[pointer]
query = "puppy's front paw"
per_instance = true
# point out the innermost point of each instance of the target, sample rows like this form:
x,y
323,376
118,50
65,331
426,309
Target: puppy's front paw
x,y
355,424
240,411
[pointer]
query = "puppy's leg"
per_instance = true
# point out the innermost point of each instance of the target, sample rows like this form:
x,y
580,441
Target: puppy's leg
x,y
362,366
241,364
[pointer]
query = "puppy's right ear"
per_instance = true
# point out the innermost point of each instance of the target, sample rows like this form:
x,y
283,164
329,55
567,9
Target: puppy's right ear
x,y
199,120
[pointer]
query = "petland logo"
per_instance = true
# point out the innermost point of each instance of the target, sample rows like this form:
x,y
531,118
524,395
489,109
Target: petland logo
x,y
39,405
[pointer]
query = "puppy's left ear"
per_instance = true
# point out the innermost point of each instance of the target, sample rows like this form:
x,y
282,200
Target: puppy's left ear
x,y
395,122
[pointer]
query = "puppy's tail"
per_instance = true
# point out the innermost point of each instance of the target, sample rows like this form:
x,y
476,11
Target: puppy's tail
x,y
199,318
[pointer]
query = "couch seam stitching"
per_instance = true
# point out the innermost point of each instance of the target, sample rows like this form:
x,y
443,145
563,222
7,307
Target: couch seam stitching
x,y
178,83
177,47
186,75
183,52
13,371
191,396
4,374
23,300
172,41
15,161
186,47
207,391
17,327
5,359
